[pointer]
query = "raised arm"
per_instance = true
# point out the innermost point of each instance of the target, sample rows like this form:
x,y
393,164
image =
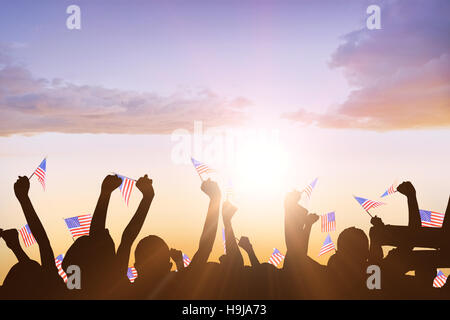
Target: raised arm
x,y
294,216
177,256
446,224
11,238
305,233
210,227
245,244
145,185
234,255
407,189
21,188
110,183
375,249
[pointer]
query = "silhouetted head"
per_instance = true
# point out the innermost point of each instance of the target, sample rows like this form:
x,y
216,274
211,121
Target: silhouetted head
x,y
152,257
24,280
353,245
96,258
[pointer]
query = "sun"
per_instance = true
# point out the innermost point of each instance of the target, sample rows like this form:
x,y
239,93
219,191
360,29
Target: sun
x,y
261,166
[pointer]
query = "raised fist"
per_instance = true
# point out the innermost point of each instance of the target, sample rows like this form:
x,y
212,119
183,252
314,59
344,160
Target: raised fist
x,y
11,237
312,218
145,185
211,189
406,188
228,211
176,255
245,244
21,187
376,222
110,183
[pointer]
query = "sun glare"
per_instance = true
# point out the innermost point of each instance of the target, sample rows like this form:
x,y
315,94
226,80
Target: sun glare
x,y
261,167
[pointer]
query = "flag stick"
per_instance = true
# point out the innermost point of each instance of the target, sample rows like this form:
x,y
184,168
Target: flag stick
x,y
363,208
369,214
35,170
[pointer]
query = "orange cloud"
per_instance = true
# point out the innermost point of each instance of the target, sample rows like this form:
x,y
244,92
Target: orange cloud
x,y
402,72
29,106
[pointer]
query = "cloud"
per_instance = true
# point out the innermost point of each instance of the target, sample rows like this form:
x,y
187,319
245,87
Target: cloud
x,y
402,72
30,105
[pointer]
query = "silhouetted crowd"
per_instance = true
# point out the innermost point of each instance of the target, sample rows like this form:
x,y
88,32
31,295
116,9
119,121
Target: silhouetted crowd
x,y
104,269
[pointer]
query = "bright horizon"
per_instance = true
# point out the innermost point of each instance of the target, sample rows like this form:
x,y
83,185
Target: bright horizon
x,y
359,109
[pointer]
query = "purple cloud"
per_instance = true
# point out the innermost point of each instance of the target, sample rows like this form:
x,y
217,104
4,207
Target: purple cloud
x,y
402,71
29,105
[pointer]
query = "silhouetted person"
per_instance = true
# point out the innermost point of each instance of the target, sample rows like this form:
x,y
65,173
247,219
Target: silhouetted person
x,y
245,244
24,280
201,276
52,284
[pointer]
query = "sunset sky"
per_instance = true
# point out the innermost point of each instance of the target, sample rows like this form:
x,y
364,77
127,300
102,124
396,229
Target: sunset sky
x,y
305,89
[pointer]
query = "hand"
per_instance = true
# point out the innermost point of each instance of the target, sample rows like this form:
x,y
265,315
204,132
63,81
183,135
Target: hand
x,y
11,237
21,187
228,211
292,198
407,189
145,185
211,189
245,244
376,222
176,255
311,218
110,183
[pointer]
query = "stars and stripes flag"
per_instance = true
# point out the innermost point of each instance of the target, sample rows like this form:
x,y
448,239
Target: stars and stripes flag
x,y
328,222
392,189
368,204
309,188
201,168
27,236
276,258
58,262
440,280
186,260
132,274
431,219
327,246
40,172
126,187
79,225
224,241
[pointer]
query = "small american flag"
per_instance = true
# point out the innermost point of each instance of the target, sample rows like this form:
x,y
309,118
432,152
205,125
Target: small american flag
x,y
392,189
328,222
276,258
186,260
58,262
132,274
27,236
431,219
201,167
440,280
126,187
309,188
40,172
368,204
327,246
224,241
79,225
